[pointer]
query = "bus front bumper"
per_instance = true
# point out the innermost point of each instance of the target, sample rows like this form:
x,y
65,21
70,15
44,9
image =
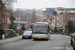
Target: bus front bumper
x,y
39,37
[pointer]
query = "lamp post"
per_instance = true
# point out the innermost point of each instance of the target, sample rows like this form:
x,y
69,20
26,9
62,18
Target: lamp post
x,y
18,20
67,24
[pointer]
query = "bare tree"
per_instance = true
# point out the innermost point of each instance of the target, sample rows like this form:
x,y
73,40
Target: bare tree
x,y
28,17
22,15
28,22
1,4
8,3
33,16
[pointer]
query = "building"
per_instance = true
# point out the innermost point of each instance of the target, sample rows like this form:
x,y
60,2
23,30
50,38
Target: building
x,y
8,14
49,16
64,14
4,16
39,16
63,18
56,20
60,20
63,9
69,16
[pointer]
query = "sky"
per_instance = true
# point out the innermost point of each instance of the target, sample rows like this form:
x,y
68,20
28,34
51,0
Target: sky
x,y
38,4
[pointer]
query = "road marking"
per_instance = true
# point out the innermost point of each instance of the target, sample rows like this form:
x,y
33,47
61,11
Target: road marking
x,y
66,48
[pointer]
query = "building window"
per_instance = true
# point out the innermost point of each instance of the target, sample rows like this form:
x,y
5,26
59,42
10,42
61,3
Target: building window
x,y
72,17
57,18
44,17
1,25
1,13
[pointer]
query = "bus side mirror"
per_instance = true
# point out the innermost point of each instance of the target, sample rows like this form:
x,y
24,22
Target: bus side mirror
x,y
31,26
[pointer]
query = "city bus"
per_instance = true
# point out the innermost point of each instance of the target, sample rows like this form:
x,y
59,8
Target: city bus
x,y
40,30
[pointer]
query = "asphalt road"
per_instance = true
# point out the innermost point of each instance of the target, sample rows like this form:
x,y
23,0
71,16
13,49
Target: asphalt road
x,y
56,42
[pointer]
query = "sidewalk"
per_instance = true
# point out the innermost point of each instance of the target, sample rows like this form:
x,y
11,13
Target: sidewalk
x,y
10,39
67,36
63,35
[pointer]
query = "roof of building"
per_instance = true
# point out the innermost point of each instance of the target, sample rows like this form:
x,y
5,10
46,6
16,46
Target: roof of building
x,y
67,9
49,11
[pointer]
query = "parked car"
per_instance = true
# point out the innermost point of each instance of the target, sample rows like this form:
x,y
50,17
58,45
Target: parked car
x,y
73,40
27,34
12,32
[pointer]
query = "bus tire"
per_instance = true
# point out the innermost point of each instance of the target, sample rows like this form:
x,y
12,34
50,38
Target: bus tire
x,y
47,39
71,42
73,47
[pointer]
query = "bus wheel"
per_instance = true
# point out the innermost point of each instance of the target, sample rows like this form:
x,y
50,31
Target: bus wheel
x,y
47,39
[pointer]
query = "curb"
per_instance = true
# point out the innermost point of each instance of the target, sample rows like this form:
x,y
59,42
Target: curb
x,y
66,36
62,35
10,39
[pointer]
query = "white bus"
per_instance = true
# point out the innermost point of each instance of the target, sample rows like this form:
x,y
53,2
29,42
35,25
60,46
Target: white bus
x,y
40,30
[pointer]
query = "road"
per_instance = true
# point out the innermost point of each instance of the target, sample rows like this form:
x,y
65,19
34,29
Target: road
x,y
56,42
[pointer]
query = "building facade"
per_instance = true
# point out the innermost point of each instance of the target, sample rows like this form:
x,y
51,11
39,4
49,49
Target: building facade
x,y
49,15
4,18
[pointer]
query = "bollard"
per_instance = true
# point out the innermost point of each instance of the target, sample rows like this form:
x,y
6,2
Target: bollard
x,y
3,36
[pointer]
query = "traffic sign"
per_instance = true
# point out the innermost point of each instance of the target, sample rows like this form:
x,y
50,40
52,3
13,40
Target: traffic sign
x,y
57,28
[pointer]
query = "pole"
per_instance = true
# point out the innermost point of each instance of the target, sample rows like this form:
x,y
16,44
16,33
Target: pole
x,y
67,24
18,19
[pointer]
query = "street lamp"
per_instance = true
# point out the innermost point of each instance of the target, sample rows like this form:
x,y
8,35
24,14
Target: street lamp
x,y
67,24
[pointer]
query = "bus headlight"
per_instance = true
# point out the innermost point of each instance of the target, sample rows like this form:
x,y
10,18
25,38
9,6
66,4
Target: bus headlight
x,y
45,35
33,35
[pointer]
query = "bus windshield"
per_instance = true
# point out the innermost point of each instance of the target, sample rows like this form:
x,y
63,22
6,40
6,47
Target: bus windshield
x,y
40,29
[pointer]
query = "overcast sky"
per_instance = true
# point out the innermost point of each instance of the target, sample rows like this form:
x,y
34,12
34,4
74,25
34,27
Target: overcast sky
x,y
38,4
